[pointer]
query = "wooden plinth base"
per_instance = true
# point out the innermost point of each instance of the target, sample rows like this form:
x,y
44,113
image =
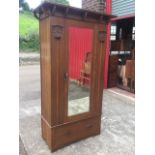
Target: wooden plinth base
x,y
62,135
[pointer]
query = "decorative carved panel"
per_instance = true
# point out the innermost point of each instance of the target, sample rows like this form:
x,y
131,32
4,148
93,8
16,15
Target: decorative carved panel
x,y
57,31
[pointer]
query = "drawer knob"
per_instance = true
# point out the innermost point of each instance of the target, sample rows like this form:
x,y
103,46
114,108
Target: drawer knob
x,y
66,76
68,133
88,126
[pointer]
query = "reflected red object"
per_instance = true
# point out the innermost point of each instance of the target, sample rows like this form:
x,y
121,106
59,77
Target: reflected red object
x,y
80,42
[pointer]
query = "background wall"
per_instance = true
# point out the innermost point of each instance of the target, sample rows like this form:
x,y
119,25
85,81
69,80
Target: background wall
x,y
123,7
94,5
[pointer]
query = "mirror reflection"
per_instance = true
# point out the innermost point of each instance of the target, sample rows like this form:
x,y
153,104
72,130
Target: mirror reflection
x,y
80,59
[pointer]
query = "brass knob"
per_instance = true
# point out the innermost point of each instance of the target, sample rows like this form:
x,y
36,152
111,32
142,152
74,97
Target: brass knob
x,y
89,126
66,76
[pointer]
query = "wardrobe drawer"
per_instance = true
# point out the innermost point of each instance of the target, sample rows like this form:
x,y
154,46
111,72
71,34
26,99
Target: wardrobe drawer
x,y
66,134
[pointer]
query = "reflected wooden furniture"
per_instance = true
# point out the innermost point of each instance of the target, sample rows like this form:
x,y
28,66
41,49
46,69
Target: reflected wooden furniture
x,y
59,129
85,72
84,78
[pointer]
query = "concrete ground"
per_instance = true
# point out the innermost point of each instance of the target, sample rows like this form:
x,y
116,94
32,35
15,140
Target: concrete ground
x,y
29,58
117,130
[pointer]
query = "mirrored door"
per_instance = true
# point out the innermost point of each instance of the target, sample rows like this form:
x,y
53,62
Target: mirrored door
x,y
80,63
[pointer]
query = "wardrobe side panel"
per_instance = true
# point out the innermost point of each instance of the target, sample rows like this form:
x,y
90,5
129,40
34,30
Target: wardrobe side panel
x,y
45,64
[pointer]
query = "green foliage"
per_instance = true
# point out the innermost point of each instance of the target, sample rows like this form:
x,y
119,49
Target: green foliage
x,y
24,5
21,2
28,32
29,27
65,2
29,42
27,23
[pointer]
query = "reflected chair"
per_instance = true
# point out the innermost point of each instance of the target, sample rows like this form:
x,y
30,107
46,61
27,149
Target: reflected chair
x,y
85,71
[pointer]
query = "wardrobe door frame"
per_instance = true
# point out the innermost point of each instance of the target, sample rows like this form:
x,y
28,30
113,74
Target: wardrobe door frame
x,y
97,70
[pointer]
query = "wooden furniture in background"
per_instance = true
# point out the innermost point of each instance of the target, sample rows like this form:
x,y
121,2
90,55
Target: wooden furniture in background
x,y
112,72
59,129
120,45
130,73
133,77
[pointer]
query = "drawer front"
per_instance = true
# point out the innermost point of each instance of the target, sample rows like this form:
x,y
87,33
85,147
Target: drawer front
x,y
69,133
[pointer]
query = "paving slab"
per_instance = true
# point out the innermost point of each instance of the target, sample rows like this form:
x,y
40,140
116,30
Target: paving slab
x,y
22,150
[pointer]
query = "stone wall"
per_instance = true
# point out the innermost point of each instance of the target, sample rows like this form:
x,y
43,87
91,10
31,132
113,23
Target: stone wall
x,y
94,5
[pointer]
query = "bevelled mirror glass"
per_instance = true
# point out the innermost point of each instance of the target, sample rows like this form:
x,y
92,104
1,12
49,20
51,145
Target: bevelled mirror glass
x,y
80,60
